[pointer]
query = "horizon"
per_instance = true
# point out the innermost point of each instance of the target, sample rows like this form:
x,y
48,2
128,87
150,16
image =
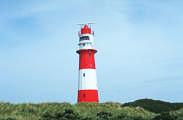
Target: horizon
x,y
139,46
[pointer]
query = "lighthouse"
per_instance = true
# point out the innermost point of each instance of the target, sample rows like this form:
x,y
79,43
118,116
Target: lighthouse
x,y
87,83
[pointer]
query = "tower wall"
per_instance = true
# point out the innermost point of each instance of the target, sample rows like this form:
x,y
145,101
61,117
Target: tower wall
x,y
87,85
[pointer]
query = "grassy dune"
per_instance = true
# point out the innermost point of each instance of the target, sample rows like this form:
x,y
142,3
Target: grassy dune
x,y
91,111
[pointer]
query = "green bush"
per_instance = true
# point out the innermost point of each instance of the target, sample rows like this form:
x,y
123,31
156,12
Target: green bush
x,y
104,115
165,116
8,118
156,106
67,114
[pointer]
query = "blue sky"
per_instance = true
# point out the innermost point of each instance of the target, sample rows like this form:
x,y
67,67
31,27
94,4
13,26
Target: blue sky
x,y
139,43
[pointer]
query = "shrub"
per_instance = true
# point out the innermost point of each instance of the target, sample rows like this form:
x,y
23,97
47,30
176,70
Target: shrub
x,y
104,115
165,116
68,114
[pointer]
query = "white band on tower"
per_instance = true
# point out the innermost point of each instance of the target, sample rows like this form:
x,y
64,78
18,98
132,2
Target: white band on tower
x,y
87,79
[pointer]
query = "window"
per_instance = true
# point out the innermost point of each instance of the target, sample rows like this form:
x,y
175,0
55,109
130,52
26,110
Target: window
x,y
83,74
84,38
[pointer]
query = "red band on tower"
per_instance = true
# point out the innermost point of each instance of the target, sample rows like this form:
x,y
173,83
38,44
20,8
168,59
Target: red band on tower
x,y
88,96
86,59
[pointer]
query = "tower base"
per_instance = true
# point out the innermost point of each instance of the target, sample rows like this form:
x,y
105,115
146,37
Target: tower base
x,y
88,96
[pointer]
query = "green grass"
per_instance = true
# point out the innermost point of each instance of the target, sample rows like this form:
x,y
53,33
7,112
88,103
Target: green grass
x,y
85,111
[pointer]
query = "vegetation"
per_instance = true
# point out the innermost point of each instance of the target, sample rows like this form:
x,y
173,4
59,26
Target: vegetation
x,y
155,106
88,111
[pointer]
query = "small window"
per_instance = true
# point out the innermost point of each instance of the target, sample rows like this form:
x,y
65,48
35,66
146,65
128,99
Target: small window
x,y
84,38
83,74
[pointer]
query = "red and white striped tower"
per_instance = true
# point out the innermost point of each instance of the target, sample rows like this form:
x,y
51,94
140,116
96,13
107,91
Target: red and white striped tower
x,y
87,89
